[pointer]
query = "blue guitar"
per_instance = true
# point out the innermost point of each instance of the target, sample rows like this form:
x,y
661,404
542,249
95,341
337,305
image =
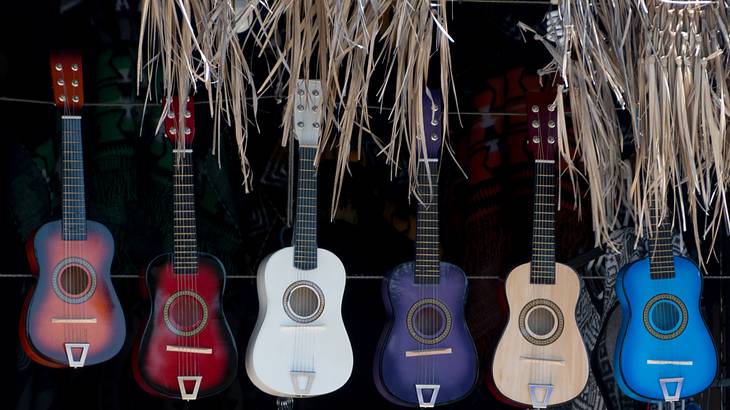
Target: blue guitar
x,y
664,350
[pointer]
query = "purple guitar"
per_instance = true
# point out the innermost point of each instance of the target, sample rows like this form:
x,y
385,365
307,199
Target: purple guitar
x,y
426,356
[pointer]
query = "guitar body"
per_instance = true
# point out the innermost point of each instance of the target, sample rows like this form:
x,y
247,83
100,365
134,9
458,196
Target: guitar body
x,y
431,313
73,285
190,319
668,308
560,359
286,357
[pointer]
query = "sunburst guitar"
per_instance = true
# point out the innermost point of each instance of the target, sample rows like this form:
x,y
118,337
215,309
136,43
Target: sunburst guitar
x,y
187,350
299,346
72,317
426,356
664,351
541,360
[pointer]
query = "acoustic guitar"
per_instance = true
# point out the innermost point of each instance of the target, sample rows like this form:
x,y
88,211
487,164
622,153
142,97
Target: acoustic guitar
x,y
426,356
541,360
664,350
72,317
187,350
299,346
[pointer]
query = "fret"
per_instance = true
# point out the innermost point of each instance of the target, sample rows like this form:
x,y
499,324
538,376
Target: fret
x,y
427,255
185,249
661,254
542,266
73,201
305,225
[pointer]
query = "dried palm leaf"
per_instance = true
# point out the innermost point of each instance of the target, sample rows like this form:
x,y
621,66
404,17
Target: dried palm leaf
x,y
335,42
194,42
665,63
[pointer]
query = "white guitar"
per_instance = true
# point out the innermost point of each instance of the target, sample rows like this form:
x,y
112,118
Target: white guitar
x,y
299,347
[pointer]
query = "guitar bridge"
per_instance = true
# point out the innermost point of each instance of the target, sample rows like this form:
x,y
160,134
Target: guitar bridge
x,y
540,395
70,348
434,394
677,391
184,393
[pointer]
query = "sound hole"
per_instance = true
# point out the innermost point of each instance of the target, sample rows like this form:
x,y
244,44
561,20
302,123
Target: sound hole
x,y
304,301
541,321
665,316
186,313
74,280
428,321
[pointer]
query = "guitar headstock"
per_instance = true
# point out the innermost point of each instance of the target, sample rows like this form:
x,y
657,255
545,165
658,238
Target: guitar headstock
x,y
433,111
68,81
542,125
177,125
308,112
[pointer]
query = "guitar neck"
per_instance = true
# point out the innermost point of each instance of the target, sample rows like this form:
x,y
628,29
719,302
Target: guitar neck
x,y
543,230
661,257
74,199
305,229
185,252
427,223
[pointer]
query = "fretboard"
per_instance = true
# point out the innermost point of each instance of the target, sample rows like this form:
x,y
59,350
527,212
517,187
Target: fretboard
x,y
661,257
543,229
305,228
74,201
185,252
427,223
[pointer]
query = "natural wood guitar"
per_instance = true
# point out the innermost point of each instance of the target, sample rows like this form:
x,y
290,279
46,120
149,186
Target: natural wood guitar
x,y
541,359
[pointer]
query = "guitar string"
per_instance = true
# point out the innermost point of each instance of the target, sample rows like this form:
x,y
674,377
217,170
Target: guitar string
x,y
196,307
65,226
177,267
422,287
421,283
665,267
313,245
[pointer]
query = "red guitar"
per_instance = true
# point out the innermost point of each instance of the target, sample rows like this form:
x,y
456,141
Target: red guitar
x,y
187,350
72,317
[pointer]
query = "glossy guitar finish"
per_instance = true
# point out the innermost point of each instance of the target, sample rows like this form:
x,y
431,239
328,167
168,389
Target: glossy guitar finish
x,y
72,317
187,350
45,340
292,359
426,356
637,347
157,367
396,374
300,347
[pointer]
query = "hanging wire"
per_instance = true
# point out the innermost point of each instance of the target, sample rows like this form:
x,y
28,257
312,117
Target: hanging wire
x,y
141,104
349,277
